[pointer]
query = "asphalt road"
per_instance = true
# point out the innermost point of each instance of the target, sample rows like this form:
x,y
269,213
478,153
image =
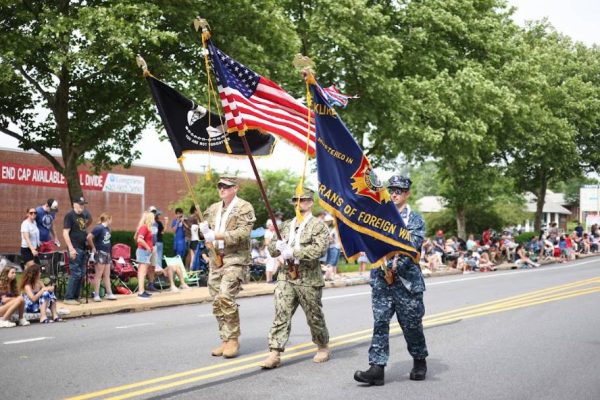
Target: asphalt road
x,y
528,334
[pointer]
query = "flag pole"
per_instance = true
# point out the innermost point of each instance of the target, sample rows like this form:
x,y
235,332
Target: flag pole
x,y
142,64
201,23
292,268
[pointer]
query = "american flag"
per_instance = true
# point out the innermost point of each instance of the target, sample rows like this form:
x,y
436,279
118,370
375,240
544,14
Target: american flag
x,y
334,97
253,101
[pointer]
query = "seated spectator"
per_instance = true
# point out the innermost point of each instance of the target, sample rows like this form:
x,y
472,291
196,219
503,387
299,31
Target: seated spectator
x,y
535,247
439,242
171,270
469,262
430,260
485,264
38,297
10,301
586,245
508,246
548,249
494,252
471,243
451,253
521,258
258,254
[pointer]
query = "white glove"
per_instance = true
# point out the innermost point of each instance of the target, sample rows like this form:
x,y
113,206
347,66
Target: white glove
x,y
204,227
280,245
285,249
209,235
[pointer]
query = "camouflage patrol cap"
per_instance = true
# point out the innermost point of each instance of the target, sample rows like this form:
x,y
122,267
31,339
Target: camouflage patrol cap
x,y
306,194
228,180
399,181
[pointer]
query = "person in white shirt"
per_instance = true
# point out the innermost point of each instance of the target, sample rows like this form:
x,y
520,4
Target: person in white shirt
x,y
30,238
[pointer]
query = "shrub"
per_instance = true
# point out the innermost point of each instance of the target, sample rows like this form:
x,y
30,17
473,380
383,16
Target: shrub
x,y
525,237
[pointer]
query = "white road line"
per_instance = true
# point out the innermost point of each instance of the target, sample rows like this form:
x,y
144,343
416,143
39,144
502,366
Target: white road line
x,y
134,325
472,278
37,339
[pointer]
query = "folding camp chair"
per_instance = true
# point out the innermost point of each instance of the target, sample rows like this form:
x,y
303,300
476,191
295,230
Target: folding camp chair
x,y
190,277
123,266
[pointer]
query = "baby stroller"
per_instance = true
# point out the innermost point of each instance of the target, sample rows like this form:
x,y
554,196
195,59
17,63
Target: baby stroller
x,y
123,268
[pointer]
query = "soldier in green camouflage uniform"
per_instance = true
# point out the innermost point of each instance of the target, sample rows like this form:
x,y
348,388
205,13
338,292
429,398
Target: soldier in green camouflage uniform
x,y
304,248
227,226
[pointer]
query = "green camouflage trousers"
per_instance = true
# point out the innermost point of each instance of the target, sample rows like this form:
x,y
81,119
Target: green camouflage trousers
x,y
223,286
287,298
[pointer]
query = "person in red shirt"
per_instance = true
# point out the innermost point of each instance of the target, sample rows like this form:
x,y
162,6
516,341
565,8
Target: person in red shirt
x,y
487,237
143,253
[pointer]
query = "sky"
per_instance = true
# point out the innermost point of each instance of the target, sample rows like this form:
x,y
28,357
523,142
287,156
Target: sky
x,y
575,18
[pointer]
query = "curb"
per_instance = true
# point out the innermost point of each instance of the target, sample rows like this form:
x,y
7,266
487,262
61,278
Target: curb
x,y
130,303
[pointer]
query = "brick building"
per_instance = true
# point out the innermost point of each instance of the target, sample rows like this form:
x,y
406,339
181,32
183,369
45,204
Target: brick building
x,y
27,179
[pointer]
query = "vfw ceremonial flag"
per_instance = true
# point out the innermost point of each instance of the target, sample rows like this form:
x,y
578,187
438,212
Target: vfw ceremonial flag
x,y
191,128
253,101
349,189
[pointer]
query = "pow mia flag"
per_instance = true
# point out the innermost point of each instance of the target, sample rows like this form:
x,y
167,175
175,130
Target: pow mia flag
x,y
191,128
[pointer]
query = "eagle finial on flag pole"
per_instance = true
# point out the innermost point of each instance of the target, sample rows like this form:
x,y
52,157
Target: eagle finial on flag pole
x,y
142,64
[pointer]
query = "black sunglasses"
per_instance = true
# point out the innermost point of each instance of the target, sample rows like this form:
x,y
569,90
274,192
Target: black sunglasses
x,y
31,212
224,186
398,191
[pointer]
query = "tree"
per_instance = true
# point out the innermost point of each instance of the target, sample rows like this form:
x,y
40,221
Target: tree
x,y
552,111
449,106
69,81
353,48
279,186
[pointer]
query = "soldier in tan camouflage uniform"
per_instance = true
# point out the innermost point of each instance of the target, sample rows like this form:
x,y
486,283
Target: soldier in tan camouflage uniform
x,y
304,243
226,228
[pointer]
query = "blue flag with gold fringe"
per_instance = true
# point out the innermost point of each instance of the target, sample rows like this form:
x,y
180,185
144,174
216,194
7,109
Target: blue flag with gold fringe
x,y
349,189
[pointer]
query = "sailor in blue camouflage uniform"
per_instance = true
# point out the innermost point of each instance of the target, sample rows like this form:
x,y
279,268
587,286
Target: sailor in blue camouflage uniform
x,y
403,297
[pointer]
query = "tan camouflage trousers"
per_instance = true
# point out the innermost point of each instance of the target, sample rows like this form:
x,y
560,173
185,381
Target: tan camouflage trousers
x,y
223,286
287,298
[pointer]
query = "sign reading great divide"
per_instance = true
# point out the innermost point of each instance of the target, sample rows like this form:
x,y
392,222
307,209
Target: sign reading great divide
x,y
349,189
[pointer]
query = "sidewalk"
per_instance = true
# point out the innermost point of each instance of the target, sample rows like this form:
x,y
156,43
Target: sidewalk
x,y
129,303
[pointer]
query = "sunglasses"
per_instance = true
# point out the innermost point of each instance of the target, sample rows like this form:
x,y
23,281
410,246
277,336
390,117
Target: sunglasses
x,y
31,212
398,191
224,186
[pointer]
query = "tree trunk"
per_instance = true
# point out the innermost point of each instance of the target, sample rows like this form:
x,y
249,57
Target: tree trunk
x,y
69,151
461,228
541,199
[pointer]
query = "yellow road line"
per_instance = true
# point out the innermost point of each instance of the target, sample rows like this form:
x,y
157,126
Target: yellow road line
x,y
506,304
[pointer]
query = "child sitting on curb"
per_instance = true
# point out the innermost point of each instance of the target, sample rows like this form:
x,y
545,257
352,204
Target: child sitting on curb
x,y
10,301
37,296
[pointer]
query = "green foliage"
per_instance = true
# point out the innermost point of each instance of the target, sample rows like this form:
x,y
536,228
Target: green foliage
x,y
477,219
525,237
279,186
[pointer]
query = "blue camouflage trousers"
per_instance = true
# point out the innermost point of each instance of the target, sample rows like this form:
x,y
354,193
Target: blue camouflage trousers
x,y
388,300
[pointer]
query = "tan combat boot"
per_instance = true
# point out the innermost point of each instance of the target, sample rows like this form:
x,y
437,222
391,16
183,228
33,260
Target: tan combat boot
x,y
232,347
218,351
272,361
323,354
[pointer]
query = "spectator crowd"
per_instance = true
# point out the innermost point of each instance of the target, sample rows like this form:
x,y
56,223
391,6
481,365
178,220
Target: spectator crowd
x,y
91,252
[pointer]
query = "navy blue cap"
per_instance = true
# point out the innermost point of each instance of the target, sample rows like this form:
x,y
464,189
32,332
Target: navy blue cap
x,y
398,181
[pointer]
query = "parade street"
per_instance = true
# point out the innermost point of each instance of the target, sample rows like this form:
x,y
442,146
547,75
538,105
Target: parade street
x,y
526,334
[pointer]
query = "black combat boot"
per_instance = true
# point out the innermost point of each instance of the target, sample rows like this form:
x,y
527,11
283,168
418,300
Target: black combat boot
x,y
419,370
373,376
